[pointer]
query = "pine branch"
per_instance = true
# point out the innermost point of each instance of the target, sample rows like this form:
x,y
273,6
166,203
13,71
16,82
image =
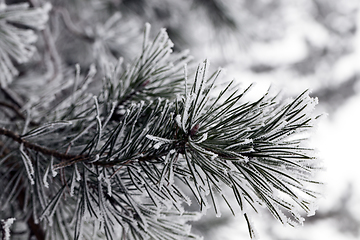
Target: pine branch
x,y
37,148
16,41
242,146
154,74
121,166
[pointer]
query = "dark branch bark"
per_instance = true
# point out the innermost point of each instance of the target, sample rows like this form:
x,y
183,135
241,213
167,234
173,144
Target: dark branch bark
x,y
41,149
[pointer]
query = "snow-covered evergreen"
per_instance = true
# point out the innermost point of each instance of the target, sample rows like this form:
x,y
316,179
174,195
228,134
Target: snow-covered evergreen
x,y
115,148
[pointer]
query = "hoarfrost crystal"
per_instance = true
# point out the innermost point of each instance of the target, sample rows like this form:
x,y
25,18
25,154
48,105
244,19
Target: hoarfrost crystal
x,y
6,224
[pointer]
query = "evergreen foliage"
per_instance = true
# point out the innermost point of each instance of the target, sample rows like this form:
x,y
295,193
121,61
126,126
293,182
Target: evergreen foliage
x,y
17,25
121,162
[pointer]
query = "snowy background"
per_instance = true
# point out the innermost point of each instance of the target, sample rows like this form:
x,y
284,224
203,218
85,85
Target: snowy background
x,y
292,46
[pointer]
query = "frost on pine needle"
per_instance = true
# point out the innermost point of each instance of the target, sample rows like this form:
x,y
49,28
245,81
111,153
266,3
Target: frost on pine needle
x,y
158,140
125,155
54,172
28,164
16,42
228,137
5,225
156,73
46,129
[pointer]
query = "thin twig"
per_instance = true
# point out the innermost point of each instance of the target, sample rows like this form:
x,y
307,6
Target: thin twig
x,y
71,161
120,168
41,149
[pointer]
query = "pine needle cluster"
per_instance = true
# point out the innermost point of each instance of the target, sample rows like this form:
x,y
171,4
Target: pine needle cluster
x,y
122,162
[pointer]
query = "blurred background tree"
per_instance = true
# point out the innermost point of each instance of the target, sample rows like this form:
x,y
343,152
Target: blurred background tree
x,y
292,44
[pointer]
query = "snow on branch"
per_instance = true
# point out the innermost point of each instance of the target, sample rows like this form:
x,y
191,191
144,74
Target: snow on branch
x,y
121,154
18,23
252,147
5,227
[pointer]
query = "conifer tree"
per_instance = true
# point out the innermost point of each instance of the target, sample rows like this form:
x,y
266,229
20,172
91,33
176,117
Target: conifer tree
x,y
121,159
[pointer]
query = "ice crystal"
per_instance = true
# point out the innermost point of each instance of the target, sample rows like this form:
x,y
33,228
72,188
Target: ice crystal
x,y
6,224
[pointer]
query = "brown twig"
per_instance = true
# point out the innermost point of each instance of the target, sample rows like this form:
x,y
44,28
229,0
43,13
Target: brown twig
x,y
74,159
46,151
120,168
